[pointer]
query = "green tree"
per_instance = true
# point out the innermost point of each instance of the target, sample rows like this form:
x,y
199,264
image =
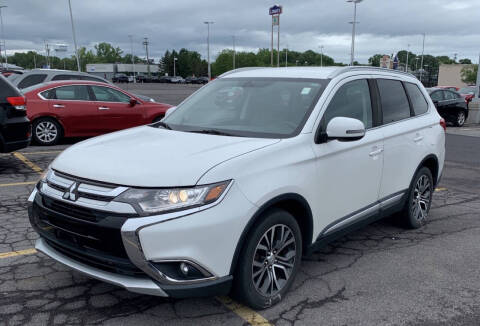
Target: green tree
x,y
469,74
106,53
375,60
465,61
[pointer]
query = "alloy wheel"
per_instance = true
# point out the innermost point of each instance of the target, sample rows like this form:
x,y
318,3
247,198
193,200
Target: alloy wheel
x,y
422,195
46,131
461,118
274,260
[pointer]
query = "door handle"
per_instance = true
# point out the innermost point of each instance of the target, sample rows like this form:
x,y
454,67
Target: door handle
x,y
376,152
103,108
58,106
417,139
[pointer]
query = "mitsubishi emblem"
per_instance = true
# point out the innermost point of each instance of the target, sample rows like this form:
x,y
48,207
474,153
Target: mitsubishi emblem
x,y
72,192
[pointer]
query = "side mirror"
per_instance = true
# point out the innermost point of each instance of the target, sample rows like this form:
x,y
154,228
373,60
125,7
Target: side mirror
x,y
133,102
169,111
345,129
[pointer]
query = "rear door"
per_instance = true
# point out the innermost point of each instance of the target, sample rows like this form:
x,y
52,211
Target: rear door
x,y
115,110
73,105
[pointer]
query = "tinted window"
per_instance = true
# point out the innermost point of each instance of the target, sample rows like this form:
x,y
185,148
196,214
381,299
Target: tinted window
x,y
92,79
437,96
352,100
31,80
450,96
65,77
106,94
394,101
419,103
71,93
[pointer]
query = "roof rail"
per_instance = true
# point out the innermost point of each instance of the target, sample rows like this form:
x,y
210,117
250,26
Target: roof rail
x,y
238,70
368,68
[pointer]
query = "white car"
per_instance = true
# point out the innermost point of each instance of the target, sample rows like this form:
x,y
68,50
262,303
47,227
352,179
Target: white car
x,y
242,179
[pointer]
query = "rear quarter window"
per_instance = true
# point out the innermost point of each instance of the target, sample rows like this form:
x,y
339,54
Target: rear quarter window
x,y
31,80
419,103
394,101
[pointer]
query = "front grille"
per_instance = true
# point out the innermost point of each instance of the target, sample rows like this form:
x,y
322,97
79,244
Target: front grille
x,y
90,236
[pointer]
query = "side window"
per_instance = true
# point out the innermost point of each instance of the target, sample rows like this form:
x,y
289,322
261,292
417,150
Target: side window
x,y
72,93
91,78
393,99
31,80
106,94
450,95
49,94
64,77
437,96
420,105
351,100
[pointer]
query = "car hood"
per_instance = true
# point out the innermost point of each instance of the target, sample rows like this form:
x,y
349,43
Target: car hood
x,y
152,157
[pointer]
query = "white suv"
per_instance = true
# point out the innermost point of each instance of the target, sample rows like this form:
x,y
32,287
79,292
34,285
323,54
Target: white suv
x,y
246,176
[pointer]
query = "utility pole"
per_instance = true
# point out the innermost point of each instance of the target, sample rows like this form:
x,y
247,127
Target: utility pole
x,y
145,42
421,63
321,56
3,37
133,58
47,50
354,23
174,64
35,60
208,23
74,37
286,56
233,37
406,64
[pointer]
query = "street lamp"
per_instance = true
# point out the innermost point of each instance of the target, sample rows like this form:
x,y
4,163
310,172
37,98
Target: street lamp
x,y
74,37
174,71
321,56
208,23
3,37
352,51
133,60
406,64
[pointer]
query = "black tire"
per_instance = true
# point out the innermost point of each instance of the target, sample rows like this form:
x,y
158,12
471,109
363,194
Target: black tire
x,y
460,118
417,207
157,119
276,263
40,125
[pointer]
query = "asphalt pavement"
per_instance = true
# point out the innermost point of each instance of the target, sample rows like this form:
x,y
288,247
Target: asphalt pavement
x,y
380,275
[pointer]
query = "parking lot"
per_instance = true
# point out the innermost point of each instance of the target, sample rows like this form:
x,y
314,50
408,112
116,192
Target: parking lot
x,y
381,274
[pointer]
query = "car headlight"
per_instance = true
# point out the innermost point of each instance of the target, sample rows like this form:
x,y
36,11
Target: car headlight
x,y
152,201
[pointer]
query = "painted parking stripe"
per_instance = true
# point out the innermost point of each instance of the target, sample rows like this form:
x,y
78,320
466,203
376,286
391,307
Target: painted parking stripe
x,y
440,189
247,314
18,253
18,184
40,153
29,163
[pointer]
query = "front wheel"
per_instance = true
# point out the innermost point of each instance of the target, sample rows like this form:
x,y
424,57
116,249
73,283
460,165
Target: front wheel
x,y
46,131
460,119
269,260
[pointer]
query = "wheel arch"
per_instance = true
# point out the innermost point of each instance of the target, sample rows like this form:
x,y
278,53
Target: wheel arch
x,y
49,116
293,203
431,162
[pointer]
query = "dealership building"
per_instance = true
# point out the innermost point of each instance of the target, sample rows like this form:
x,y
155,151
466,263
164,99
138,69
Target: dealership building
x,y
107,70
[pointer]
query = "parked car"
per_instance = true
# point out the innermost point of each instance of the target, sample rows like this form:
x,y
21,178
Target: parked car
x,y
8,72
164,79
177,80
239,182
38,76
467,93
450,88
120,78
84,109
450,105
202,80
196,80
15,128
143,79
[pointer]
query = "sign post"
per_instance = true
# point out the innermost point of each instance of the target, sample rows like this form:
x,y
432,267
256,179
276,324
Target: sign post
x,y
275,12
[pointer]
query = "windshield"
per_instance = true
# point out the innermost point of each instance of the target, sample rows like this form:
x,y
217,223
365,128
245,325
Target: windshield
x,y
467,90
249,107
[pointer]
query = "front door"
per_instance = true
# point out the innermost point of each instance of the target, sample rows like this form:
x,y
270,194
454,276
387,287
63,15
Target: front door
x,y
349,172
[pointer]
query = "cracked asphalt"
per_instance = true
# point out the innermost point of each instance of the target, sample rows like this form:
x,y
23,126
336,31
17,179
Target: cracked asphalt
x,y
379,275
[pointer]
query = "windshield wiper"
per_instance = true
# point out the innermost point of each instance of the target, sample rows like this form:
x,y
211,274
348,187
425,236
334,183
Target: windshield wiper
x,y
212,132
164,125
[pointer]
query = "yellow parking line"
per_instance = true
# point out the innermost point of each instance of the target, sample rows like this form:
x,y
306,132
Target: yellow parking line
x,y
247,314
27,162
18,184
440,189
18,253
45,152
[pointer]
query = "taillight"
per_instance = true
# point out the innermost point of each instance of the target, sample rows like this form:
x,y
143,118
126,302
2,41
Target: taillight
x,y
443,124
19,102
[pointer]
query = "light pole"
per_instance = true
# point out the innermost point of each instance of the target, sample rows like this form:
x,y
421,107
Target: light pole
x,y
3,37
133,60
286,56
233,37
74,37
406,64
208,23
174,63
146,43
416,63
352,50
321,56
421,63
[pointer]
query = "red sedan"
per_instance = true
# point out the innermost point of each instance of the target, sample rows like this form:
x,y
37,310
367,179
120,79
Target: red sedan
x,y
84,109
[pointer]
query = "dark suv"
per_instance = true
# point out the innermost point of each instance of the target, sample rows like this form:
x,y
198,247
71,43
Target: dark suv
x,y
15,128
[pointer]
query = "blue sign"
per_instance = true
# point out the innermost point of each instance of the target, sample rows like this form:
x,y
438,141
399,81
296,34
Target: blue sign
x,y
275,10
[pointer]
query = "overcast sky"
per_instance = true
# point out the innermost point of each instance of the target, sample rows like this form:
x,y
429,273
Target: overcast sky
x,y
386,26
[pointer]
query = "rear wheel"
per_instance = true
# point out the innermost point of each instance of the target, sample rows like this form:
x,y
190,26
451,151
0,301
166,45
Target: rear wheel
x,y
47,131
460,118
419,199
269,260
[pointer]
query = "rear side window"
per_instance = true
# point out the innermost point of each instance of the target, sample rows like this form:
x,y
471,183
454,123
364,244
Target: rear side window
x,y
92,79
437,96
419,103
69,93
352,100
394,101
450,96
31,80
65,77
